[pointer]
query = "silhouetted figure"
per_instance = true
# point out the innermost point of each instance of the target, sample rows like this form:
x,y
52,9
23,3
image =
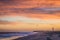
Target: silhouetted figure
x,y
53,29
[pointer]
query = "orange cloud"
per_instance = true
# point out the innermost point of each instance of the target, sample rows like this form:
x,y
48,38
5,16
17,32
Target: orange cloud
x,y
30,3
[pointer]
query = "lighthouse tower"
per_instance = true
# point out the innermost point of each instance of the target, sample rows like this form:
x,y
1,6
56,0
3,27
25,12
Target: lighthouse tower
x,y
53,29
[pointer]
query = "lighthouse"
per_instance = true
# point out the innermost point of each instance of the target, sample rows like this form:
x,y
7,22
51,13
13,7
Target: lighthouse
x,y
53,29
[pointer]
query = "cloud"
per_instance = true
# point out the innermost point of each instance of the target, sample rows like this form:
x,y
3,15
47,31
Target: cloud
x,y
42,10
30,3
12,2
17,18
5,11
27,6
6,2
4,22
29,20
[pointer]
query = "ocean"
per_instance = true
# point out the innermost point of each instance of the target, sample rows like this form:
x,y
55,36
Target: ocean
x,y
14,35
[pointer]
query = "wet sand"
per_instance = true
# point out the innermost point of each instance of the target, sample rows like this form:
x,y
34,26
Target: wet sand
x,y
10,38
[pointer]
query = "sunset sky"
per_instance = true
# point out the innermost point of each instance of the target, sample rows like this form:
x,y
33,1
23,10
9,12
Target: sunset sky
x,y
29,15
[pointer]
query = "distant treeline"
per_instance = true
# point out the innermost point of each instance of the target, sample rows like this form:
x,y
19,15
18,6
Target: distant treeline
x,y
8,32
14,32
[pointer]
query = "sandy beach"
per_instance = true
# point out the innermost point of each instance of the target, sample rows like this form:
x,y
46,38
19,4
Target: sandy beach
x,y
11,38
